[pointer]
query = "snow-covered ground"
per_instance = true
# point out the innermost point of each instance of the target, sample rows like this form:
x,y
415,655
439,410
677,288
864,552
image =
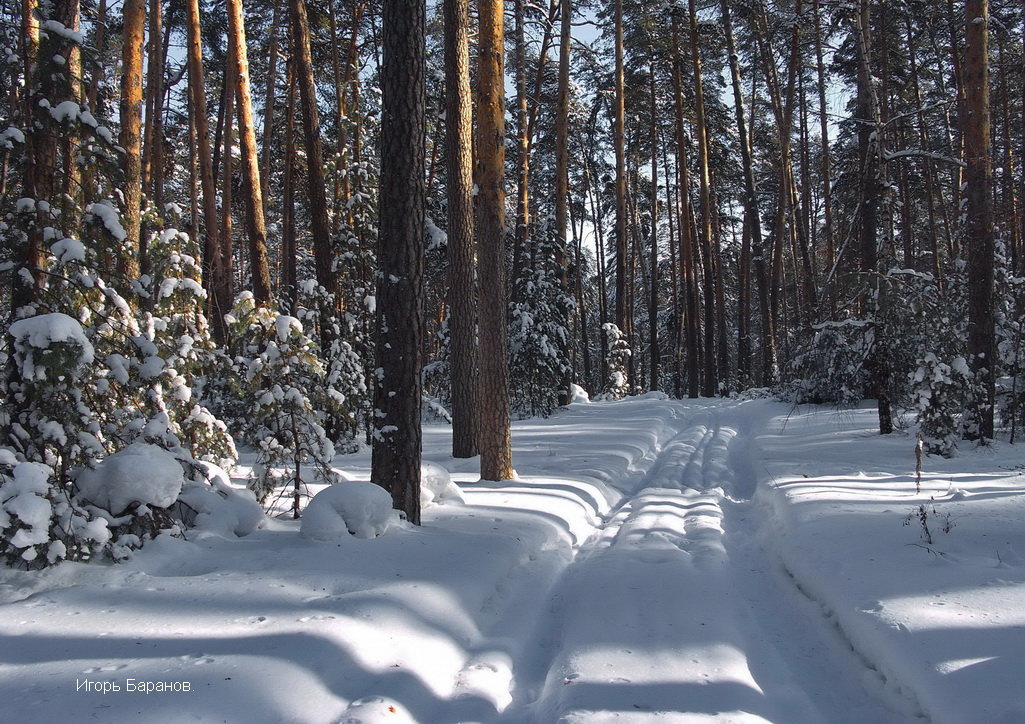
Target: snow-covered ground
x,y
655,560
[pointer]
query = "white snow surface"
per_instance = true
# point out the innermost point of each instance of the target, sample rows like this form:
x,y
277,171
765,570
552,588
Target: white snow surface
x,y
139,473
656,560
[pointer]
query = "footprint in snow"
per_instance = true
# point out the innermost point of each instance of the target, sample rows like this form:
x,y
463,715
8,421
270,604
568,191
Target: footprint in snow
x,y
197,659
251,620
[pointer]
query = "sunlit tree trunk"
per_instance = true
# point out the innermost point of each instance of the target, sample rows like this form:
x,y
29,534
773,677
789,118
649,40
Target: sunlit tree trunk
x,y
688,272
495,440
316,182
268,105
134,21
562,174
213,270
256,227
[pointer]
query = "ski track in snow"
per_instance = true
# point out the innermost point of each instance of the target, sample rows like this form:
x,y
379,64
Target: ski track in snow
x,y
654,620
638,584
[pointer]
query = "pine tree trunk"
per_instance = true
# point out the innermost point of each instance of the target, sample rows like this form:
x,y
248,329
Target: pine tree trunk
x,y
134,21
653,332
624,314
40,182
154,97
495,441
397,392
1010,203
688,273
71,186
979,241
29,54
930,174
520,249
562,177
213,271
825,168
752,221
92,92
226,281
268,105
709,376
317,184
462,294
869,129
256,228
289,250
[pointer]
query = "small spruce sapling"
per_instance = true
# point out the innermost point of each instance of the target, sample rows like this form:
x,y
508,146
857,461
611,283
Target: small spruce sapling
x,y
617,385
280,366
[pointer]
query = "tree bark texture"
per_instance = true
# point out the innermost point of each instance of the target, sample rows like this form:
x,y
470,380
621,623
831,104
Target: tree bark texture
x,y
397,393
624,314
979,196
213,270
323,258
495,440
462,292
130,139
256,227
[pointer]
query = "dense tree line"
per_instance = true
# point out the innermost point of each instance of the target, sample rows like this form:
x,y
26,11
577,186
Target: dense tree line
x,y
315,222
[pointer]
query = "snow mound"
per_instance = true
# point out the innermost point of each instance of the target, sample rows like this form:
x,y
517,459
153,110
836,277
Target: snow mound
x,y
357,507
436,486
140,473
372,709
219,507
578,394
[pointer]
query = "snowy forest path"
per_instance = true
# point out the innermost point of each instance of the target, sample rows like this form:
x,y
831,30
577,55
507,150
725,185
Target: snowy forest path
x,y
673,608
629,572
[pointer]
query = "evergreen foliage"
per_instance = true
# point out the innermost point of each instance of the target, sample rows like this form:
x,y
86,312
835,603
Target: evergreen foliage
x,y
279,369
538,337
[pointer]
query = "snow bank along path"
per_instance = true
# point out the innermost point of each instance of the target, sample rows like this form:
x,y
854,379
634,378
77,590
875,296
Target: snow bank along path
x,y
655,560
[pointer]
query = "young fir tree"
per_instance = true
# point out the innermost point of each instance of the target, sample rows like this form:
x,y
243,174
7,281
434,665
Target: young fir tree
x,y
539,334
278,362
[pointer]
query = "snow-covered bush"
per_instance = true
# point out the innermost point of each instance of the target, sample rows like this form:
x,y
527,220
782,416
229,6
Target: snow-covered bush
x,y
538,343
96,359
352,507
1010,338
139,474
181,336
39,523
830,367
619,352
344,391
214,505
941,390
436,486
